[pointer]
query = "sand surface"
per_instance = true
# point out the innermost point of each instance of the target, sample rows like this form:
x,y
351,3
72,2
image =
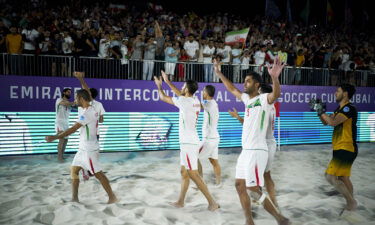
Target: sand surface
x,y
35,189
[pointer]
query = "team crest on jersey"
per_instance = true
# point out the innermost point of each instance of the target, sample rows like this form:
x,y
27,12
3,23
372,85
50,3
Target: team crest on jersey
x,y
82,118
255,104
346,109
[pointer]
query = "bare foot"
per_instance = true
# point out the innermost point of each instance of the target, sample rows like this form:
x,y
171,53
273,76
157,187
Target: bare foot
x,y
213,207
352,206
285,221
176,204
112,200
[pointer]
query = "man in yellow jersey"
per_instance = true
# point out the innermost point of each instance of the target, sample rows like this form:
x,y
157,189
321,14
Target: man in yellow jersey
x,y
345,150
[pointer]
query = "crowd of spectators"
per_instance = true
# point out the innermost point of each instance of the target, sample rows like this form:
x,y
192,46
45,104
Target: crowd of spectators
x,y
124,32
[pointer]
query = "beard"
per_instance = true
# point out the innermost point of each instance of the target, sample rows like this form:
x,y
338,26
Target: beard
x,y
338,99
66,96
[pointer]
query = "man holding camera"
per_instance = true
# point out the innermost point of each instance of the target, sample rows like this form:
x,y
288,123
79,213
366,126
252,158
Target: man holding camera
x,y
344,142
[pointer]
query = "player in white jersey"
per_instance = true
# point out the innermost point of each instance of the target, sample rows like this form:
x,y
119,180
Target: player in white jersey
x,y
98,106
271,144
189,107
210,134
87,156
252,161
63,108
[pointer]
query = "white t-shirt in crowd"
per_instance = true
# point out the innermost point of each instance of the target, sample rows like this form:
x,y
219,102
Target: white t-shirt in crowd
x,y
236,52
210,120
189,108
67,45
103,48
191,48
259,57
209,51
31,35
245,63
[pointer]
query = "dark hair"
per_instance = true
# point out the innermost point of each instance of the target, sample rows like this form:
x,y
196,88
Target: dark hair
x,y
256,76
348,88
94,93
84,94
192,86
210,90
265,88
66,89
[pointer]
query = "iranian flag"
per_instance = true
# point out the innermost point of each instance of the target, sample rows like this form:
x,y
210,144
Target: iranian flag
x,y
238,36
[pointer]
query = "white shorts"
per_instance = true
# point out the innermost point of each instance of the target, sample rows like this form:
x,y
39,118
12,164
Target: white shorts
x,y
271,144
209,149
88,160
250,167
189,156
61,127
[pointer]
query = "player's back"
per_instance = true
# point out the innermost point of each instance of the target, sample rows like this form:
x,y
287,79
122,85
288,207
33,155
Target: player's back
x,y
188,117
211,119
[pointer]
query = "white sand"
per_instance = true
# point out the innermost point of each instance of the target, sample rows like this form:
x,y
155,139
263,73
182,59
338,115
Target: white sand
x,y
32,189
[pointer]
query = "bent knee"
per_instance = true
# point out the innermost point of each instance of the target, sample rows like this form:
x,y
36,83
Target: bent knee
x,y
74,171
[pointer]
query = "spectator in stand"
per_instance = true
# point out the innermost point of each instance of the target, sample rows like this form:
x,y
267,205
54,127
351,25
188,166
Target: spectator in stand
x,y
3,33
236,56
208,53
115,46
136,56
171,56
13,41
181,66
268,41
92,40
80,45
149,57
30,35
14,45
299,62
192,49
104,45
159,52
245,62
46,44
259,58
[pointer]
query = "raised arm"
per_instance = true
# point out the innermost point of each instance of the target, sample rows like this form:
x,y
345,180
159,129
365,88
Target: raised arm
x,y
227,83
79,76
163,96
275,72
234,114
158,31
169,83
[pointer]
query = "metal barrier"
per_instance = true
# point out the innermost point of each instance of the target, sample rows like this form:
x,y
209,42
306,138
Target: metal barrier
x,y
63,66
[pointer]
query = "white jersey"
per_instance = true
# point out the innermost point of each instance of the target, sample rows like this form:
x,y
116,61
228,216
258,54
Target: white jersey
x,y
88,140
256,122
98,107
210,120
189,108
62,113
271,125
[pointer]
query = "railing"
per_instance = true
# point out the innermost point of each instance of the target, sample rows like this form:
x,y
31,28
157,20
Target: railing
x,y
63,66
